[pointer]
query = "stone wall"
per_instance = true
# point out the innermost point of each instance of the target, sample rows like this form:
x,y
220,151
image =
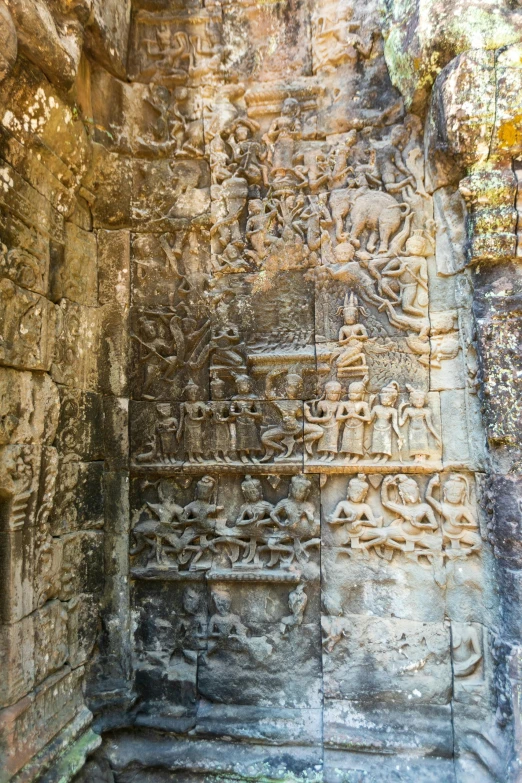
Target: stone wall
x,y
255,300
62,325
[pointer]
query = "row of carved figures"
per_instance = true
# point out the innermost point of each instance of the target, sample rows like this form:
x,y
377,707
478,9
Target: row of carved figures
x,y
188,535
197,634
171,52
264,535
312,195
285,153
230,431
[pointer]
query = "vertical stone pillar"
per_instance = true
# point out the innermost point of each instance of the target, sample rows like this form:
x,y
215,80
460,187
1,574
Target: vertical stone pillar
x,y
473,124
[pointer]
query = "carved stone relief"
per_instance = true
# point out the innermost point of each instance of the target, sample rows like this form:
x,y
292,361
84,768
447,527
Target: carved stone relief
x,y
300,429
243,503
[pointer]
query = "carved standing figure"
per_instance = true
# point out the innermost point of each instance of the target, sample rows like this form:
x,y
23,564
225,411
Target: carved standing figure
x,y
192,424
166,433
223,427
420,424
247,416
206,53
326,417
385,423
280,138
355,413
341,168
191,626
337,42
411,271
257,229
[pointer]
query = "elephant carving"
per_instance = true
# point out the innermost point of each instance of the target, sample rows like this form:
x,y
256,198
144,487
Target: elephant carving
x,y
369,209
381,215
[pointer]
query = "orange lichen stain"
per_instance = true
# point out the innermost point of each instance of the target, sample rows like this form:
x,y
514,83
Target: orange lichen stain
x,y
510,132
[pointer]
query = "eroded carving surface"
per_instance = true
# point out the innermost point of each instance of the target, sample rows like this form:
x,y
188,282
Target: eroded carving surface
x,y
246,509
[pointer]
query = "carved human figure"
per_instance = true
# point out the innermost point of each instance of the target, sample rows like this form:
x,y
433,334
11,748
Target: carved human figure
x,y
355,413
201,513
230,261
224,624
247,417
390,167
351,360
411,271
342,158
224,349
187,134
234,192
296,514
352,273
160,535
223,428
326,418
258,228
191,626
466,649
219,162
248,155
166,433
295,519
157,355
206,53
417,415
193,417
356,517
280,138
168,54
297,602
312,169
168,510
253,518
336,41
290,430
318,221
445,339
460,530
413,532
385,422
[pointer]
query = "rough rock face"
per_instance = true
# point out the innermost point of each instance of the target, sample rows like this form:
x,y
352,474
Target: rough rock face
x,y
260,451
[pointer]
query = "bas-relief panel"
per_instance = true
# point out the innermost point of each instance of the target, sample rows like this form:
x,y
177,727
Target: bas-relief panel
x,y
304,386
